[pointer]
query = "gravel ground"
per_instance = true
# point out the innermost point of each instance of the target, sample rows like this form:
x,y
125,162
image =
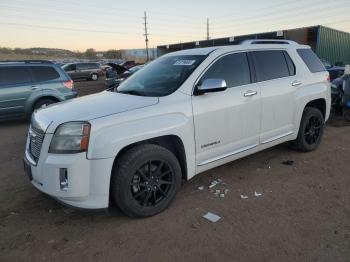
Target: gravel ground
x,y
303,213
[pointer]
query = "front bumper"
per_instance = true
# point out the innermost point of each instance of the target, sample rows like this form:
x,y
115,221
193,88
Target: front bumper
x,y
88,180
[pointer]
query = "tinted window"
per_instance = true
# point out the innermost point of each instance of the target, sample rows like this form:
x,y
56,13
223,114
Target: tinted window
x,y
14,75
311,60
85,66
70,67
81,66
93,66
234,69
270,65
44,73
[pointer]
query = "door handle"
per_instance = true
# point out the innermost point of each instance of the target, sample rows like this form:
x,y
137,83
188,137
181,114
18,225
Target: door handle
x,y
35,87
296,83
250,93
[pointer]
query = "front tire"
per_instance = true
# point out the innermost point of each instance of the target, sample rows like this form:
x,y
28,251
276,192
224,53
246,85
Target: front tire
x,y
42,103
310,130
145,180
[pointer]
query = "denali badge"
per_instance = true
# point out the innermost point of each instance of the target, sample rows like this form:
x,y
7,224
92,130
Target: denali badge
x,y
210,144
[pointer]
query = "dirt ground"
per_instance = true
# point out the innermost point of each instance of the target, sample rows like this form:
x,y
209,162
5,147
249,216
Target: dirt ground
x,y
302,215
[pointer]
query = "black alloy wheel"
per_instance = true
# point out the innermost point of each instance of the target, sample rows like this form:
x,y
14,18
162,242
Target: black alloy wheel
x,y
145,180
152,183
312,130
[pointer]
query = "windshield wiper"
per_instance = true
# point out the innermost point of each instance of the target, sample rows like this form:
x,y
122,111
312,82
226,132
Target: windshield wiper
x,y
133,92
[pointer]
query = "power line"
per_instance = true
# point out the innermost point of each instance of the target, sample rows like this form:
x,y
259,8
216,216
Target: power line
x,y
85,30
272,14
282,17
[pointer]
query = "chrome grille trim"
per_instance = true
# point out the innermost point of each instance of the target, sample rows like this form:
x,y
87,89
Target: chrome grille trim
x,y
36,139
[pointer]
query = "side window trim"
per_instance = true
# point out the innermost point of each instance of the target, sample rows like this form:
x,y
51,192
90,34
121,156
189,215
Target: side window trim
x,y
217,59
288,58
253,77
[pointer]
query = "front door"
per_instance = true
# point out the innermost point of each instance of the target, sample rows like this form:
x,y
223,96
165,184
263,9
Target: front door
x,y
228,122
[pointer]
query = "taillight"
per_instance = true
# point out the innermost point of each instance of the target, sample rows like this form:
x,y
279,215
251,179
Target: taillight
x,y
69,84
328,78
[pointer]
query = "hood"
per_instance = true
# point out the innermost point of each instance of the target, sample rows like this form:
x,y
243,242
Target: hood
x,y
89,107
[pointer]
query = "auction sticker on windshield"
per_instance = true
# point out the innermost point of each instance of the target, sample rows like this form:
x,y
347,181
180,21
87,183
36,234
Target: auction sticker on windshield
x,y
184,62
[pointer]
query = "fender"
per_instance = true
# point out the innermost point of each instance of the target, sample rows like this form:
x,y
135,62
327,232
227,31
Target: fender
x,y
107,142
309,93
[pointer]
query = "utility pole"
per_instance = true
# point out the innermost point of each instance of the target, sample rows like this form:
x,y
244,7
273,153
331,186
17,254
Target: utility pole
x,y
146,35
208,37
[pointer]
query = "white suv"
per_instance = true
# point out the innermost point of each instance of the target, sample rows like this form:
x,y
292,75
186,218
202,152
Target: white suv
x,y
182,114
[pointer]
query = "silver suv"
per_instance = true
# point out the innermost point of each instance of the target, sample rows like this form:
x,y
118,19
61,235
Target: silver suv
x,y
31,84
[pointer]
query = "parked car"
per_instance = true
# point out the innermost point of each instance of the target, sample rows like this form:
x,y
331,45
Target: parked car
x,y
182,114
88,71
334,71
129,64
29,85
114,79
341,94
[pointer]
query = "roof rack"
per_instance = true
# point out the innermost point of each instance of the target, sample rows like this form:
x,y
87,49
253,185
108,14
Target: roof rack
x,y
27,61
268,41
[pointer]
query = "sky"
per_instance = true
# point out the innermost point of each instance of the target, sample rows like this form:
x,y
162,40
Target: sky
x,y
115,24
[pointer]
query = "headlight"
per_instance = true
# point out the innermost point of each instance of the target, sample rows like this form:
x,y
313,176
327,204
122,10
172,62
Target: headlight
x,y
71,137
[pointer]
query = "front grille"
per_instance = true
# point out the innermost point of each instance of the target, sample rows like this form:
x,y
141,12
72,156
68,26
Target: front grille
x,y
36,138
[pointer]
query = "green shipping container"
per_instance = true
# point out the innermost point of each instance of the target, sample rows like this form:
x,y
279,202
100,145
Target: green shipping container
x,y
333,45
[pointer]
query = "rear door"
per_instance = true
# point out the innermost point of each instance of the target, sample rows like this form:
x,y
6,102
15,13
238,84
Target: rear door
x,y
83,70
276,76
46,77
15,88
227,122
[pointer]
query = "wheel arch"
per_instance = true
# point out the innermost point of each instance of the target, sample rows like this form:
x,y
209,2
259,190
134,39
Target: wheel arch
x,y
32,104
320,104
171,142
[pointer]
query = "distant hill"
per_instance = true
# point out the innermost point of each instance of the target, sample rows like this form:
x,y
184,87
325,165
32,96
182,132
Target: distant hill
x,y
49,51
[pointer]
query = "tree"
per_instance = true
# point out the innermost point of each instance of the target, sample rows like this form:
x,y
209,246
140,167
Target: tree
x,y
113,54
90,53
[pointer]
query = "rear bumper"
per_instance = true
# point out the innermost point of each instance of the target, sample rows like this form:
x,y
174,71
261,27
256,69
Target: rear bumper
x,y
72,95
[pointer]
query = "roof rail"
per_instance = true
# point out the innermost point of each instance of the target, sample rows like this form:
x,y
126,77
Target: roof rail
x,y
268,41
27,61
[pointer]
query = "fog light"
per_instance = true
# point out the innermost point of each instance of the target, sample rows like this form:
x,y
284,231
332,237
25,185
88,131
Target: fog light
x,y
63,179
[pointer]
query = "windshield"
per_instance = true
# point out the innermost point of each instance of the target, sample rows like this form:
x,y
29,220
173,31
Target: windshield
x,y
161,77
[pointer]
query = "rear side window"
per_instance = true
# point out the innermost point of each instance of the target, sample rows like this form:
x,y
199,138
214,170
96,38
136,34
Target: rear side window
x,y
311,60
93,66
85,66
15,75
44,73
233,68
270,64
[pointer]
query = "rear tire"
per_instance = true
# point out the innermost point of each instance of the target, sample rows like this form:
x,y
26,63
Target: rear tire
x,y
94,77
346,115
310,131
42,103
145,180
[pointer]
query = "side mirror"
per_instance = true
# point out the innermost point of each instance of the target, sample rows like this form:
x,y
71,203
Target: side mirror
x,y
211,85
